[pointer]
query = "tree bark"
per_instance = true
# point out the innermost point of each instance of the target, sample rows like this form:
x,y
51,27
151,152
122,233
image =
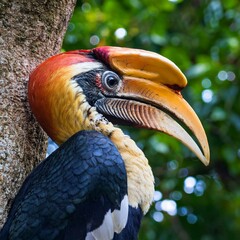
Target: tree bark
x,y
31,31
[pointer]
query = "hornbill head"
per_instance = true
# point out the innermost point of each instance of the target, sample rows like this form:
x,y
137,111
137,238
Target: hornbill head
x,y
80,90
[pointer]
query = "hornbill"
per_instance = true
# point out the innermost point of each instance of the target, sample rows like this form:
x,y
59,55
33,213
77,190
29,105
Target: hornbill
x,y
98,183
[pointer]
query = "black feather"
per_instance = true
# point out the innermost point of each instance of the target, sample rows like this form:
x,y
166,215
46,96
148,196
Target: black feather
x,y
68,194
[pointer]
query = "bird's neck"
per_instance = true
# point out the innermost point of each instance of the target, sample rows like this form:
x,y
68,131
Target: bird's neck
x,y
139,173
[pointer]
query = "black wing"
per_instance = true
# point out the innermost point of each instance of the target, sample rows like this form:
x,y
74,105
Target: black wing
x,y
78,192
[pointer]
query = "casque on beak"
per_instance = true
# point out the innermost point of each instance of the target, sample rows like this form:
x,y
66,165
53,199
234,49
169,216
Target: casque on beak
x,y
150,96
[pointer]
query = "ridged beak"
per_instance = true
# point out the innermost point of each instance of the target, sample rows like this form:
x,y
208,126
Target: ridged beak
x,y
150,96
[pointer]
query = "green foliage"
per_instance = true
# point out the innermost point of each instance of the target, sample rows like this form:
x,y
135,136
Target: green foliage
x,y
202,38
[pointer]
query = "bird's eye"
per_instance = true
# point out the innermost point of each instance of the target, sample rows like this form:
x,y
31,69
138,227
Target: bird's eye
x,y
110,81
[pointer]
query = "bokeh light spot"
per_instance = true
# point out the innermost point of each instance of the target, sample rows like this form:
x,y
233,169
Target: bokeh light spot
x,y
157,196
189,184
172,165
200,188
222,75
176,195
183,172
86,7
158,216
191,218
206,83
94,40
231,76
207,95
169,206
120,33
182,211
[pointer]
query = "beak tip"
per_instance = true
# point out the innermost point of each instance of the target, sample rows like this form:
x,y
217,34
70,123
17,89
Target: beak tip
x,y
205,159
206,162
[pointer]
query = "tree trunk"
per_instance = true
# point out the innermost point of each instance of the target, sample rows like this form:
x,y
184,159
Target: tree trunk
x,y
31,31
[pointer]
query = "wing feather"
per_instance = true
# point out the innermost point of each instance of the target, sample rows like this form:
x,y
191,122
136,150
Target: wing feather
x,y
79,189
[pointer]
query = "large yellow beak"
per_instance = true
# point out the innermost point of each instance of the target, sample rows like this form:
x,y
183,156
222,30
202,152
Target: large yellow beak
x,y
150,96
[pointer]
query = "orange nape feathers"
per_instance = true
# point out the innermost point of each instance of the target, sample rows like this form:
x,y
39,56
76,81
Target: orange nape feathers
x,y
50,88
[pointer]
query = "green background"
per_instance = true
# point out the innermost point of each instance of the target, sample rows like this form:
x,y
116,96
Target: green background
x,y
202,37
